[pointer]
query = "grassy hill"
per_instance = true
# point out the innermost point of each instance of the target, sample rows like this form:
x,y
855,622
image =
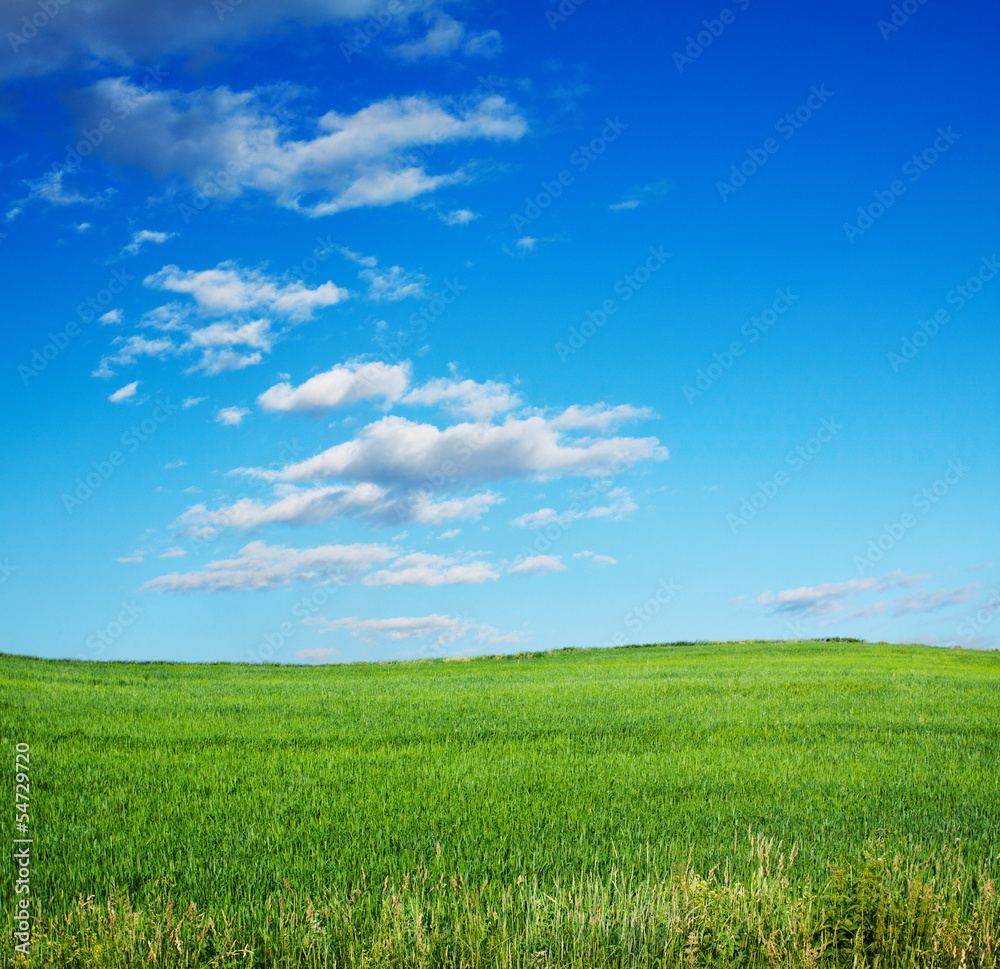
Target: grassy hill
x,y
577,807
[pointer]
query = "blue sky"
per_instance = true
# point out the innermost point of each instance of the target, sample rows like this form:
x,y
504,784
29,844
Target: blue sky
x,y
375,329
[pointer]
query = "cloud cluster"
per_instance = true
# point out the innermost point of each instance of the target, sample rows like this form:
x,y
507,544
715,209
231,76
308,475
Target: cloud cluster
x,y
233,317
391,284
397,471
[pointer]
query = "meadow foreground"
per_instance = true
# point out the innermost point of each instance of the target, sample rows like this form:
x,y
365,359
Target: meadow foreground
x,y
723,804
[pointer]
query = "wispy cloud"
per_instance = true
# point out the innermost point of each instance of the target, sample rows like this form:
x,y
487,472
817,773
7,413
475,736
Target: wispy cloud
x,y
52,190
441,629
446,36
231,416
366,501
391,283
596,560
347,161
458,217
124,393
828,598
637,196
144,236
915,603
537,565
620,505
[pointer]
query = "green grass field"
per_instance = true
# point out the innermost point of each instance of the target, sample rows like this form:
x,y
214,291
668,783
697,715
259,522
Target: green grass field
x,y
633,806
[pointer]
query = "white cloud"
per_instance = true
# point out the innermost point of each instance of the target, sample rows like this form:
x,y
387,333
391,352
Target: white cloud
x,y
422,569
424,510
131,349
600,417
135,558
458,217
229,289
395,450
231,416
171,465
466,397
624,206
595,559
124,393
262,566
191,401
215,361
111,318
348,160
445,36
314,505
140,238
619,506
451,533
489,43
540,518
527,242
304,507
392,284
537,565
173,553
340,386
